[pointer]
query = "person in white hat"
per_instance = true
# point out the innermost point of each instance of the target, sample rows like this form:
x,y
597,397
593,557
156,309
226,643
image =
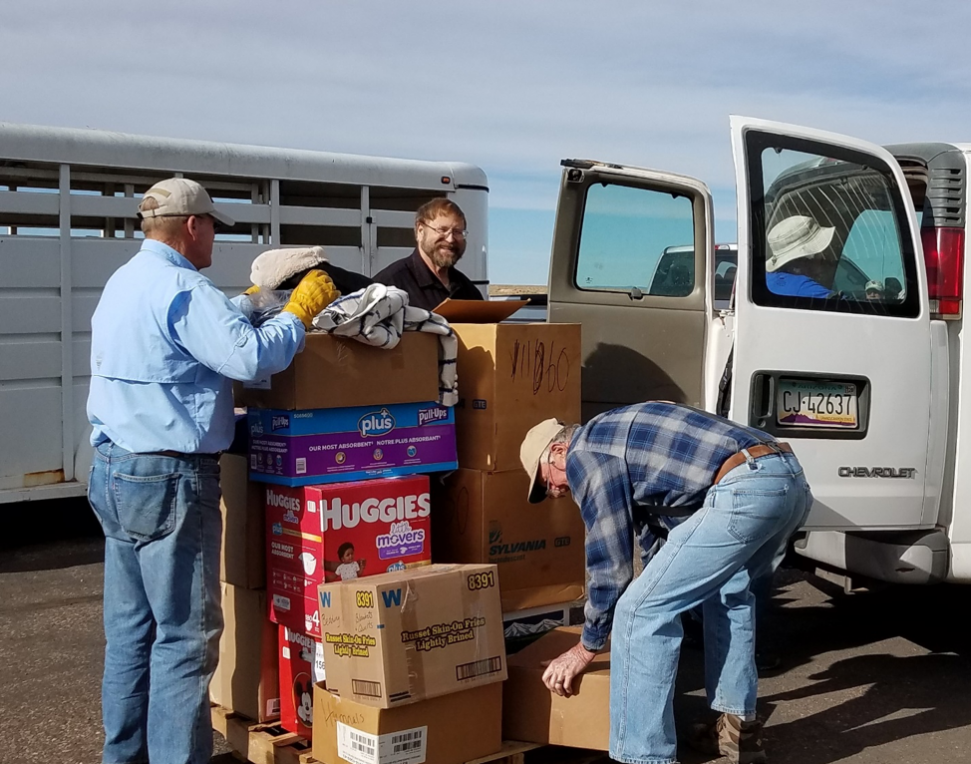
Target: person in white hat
x,y
742,495
792,267
165,343
875,289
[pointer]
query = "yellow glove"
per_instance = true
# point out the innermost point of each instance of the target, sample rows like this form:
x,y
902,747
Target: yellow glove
x,y
314,293
252,290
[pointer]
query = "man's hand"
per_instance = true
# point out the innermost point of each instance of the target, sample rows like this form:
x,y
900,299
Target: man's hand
x,y
314,293
561,671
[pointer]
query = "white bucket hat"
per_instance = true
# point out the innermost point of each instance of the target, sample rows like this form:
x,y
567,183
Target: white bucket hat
x,y
273,267
796,236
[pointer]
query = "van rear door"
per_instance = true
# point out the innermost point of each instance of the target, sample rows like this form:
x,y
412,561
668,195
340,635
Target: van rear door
x,y
630,262
833,341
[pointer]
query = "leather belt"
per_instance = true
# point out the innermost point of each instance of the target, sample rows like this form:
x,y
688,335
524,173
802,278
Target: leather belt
x,y
180,455
756,451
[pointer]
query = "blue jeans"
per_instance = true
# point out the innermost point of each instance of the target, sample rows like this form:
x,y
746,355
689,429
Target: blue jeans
x,y
709,560
162,611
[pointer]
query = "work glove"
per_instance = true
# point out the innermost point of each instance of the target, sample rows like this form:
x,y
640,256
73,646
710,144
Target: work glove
x,y
314,293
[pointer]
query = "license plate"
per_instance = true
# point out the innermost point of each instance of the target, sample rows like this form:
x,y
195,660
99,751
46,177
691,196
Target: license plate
x,y
817,404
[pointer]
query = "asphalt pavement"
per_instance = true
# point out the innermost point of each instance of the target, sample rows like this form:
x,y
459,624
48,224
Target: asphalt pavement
x,y
868,678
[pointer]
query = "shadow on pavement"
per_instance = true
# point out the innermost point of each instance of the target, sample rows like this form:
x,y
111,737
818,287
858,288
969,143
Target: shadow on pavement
x,y
859,671
47,535
898,697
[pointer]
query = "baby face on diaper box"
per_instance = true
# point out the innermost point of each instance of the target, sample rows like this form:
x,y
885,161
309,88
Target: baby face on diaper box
x,y
339,532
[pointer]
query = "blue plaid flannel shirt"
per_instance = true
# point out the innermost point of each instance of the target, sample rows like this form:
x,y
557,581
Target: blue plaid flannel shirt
x,y
634,469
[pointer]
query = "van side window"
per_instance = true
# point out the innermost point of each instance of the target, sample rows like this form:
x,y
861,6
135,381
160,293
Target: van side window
x,y
636,238
827,237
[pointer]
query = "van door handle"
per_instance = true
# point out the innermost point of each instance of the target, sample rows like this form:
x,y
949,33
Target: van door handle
x,y
763,399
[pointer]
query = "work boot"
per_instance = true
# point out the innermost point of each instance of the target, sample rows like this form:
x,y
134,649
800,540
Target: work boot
x,y
729,736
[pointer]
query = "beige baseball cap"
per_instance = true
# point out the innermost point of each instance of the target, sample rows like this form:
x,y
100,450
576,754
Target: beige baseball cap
x,y
534,444
182,197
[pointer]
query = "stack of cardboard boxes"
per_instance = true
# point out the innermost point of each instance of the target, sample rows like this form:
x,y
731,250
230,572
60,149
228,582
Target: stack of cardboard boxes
x,y
415,662
339,447
372,648
247,678
511,377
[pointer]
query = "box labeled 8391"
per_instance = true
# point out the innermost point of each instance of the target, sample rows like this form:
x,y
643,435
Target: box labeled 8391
x,y
401,637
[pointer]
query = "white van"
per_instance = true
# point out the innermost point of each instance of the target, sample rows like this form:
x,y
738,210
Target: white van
x,y
865,380
67,221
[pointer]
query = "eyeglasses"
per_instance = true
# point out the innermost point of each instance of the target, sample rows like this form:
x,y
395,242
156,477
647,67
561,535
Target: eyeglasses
x,y
551,490
455,233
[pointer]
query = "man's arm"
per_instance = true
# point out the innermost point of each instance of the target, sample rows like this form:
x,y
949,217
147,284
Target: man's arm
x,y
214,332
601,488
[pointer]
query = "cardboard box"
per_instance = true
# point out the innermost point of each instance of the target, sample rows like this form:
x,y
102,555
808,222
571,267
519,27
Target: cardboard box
x,y
538,548
340,531
534,714
449,729
402,637
333,445
511,377
335,372
247,678
243,554
301,667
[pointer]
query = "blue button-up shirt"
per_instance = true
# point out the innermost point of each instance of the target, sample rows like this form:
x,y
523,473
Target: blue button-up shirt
x,y
165,343
635,464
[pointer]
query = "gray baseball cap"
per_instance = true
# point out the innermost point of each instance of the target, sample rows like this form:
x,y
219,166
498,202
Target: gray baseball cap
x,y
182,197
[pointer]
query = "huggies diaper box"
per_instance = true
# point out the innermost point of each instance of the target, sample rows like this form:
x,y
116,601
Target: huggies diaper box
x,y
330,445
301,667
340,532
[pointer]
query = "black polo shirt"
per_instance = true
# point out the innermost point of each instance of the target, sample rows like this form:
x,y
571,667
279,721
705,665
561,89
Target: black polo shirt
x,y
423,287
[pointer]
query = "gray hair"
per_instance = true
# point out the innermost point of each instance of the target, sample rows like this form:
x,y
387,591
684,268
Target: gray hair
x,y
565,435
164,228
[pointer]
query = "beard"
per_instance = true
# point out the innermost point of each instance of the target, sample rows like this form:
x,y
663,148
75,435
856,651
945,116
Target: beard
x,y
446,255
442,253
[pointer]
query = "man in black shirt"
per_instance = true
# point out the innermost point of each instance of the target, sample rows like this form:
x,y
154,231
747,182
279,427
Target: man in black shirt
x,y
429,275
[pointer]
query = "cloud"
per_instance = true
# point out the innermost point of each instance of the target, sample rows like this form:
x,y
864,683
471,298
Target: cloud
x,y
513,87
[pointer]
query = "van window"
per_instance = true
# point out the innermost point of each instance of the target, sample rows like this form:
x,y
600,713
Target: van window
x,y
873,246
636,238
828,236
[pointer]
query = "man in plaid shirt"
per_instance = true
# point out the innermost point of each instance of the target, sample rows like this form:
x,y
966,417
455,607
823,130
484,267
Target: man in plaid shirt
x,y
742,495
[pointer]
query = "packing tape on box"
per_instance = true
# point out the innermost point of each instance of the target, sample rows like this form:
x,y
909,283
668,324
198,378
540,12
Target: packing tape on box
x,y
414,658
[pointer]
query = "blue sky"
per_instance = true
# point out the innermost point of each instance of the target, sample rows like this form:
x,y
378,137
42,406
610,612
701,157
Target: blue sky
x,y
510,86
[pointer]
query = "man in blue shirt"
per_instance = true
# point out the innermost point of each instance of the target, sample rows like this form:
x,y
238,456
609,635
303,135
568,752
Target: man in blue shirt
x,y
743,495
793,267
165,345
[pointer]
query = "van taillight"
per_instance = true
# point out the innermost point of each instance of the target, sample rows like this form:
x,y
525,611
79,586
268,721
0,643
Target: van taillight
x,y
944,259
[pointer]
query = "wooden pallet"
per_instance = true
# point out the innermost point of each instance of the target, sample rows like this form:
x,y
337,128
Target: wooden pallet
x,y
271,744
260,743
